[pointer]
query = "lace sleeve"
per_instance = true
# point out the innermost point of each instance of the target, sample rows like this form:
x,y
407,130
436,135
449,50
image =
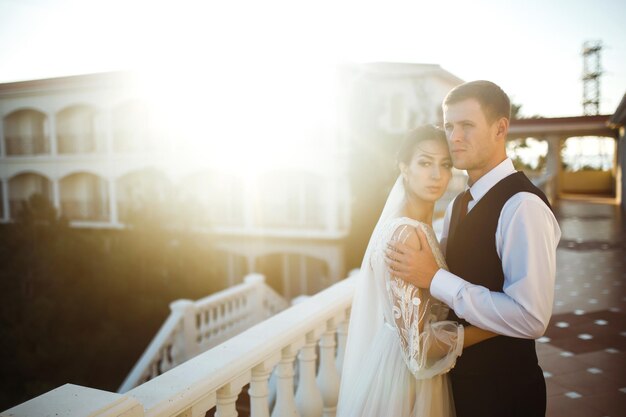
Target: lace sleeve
x,y
430,344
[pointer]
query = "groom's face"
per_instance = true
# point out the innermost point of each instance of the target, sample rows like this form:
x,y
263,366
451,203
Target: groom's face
x,y
471,136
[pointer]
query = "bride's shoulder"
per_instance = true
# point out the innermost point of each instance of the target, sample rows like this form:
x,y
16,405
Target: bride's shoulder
x,y
403,229
406,222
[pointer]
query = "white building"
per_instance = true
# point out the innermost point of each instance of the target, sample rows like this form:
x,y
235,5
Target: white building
x,y
102,151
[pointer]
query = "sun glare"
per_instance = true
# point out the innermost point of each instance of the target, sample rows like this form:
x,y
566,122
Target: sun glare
x,y
247,122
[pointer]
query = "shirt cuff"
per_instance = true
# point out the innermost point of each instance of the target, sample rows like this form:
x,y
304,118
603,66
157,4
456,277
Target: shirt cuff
x,y
445,286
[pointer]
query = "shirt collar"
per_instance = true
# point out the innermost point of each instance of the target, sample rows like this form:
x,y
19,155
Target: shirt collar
x,y
491,178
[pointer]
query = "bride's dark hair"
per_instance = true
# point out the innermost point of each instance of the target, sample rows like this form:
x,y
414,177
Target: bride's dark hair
x,y
414,137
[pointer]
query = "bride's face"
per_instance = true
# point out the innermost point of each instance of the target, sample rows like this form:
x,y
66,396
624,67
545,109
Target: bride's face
x,y
429,171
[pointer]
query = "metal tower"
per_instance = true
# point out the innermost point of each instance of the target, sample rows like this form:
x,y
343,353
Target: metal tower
x,y
591,77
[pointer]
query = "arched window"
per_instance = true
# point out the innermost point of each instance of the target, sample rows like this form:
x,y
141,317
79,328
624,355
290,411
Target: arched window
x,y
75,130
144,196
291,199
131,124
23,186
215,198
84,196
24,133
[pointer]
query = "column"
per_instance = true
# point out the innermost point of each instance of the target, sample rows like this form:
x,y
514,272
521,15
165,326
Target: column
x,y
304,276
286,277
113,216
3,151
620,176
250,263
249,194
230,267
52,134
553,166
332,205
56,195
6,210
108,131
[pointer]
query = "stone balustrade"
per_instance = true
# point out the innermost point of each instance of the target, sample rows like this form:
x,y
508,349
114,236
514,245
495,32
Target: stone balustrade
x,y
194,327
216,377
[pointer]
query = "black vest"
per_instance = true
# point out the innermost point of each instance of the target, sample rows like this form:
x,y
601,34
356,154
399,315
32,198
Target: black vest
x,y
471,254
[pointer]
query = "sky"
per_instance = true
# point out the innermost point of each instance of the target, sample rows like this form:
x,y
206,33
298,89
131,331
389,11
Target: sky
x,y
532,48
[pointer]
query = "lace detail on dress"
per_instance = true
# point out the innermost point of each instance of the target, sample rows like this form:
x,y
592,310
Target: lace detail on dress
x,y
430,345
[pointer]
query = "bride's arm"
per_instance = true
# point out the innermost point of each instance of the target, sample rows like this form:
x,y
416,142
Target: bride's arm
x,y
430,347
472,335
475,335
405,292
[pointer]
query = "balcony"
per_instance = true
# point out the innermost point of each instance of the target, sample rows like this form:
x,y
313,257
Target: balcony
x,y
25,145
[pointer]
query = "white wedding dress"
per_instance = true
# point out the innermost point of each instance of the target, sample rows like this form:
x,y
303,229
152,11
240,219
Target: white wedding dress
x,y
387,367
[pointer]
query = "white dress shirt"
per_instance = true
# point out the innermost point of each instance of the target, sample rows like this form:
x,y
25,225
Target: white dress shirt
x,y
526,239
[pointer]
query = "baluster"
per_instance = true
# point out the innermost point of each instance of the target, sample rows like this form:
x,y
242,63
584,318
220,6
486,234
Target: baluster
x,y
212,321
154,369
308,396
176,352
285,401
342,335
259,389
166,361
328,378
226,401
205,330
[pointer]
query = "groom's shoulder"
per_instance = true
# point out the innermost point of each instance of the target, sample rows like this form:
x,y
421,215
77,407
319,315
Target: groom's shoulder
x,y
529,203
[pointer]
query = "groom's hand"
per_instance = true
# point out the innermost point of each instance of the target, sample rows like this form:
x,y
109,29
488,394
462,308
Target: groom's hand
x,y
415,265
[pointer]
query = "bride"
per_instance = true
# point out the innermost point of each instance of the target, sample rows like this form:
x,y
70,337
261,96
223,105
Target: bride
x,y
399,346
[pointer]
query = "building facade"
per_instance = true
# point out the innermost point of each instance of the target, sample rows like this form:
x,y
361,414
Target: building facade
x,y
103,154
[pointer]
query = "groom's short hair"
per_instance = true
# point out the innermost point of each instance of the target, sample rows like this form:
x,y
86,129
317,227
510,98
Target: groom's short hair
x,y
493,101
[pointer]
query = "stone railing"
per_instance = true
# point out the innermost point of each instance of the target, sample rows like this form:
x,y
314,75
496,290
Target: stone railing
x,y
194,327
212,381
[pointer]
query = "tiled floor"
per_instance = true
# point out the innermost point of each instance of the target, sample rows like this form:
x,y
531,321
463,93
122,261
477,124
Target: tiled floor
x,y
583,353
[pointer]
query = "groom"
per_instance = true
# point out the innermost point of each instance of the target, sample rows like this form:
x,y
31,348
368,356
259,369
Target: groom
x,y
500,239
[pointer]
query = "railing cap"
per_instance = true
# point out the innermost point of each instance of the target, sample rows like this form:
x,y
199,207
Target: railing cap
x,y
181,305
76,401
254,278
